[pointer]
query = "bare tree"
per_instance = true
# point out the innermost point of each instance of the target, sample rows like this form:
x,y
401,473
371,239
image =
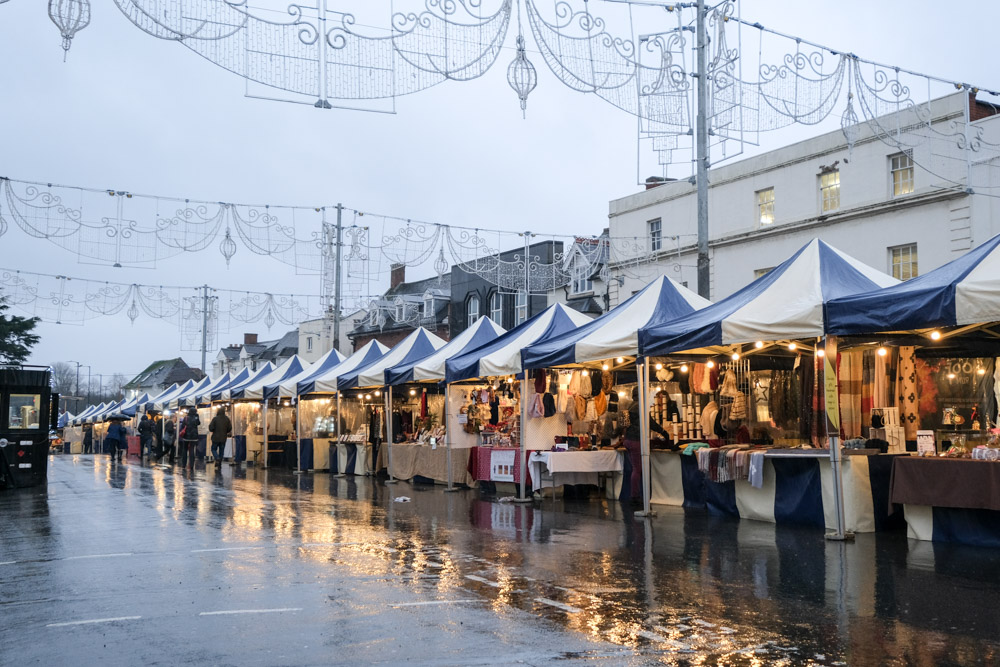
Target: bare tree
x,y
64,377
115,386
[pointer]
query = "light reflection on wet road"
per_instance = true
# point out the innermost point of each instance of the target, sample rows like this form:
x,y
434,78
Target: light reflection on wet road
x,y
126,564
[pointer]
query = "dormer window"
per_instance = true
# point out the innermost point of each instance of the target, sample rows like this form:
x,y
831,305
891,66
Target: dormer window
x,y
428,305
400,311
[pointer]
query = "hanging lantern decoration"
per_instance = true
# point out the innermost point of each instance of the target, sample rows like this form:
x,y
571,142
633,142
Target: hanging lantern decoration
x,y
227,247
521,75
440,264
70,16
269,319
133,312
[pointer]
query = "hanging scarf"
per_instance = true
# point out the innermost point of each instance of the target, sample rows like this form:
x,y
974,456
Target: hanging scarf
x,y
906,386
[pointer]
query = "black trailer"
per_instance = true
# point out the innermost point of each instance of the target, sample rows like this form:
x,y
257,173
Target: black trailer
x,y
28,413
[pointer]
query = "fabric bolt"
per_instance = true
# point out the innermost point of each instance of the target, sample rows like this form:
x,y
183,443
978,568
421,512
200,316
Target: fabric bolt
x,y
906,386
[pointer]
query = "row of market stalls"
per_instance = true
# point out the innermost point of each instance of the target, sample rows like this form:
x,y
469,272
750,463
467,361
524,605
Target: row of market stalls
x,y
795,400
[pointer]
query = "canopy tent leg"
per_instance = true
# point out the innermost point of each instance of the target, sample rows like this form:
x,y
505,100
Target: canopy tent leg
x,y
642,371
298,439
388,432
264,445
832,404
447,438
523,464
340,473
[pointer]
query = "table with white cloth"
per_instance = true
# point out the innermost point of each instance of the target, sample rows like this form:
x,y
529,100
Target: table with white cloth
x,y
554,468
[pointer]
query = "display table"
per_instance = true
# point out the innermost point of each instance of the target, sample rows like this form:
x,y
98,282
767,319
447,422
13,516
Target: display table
x,y
559,468
350,458
411,460
254,443
949,500
486,464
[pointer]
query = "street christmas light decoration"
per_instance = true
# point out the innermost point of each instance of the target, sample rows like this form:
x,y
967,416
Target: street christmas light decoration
x,y
521,75
70,16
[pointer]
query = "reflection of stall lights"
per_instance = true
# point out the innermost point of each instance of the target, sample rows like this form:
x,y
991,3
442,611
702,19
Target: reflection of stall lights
x,y
736,356
413,392
621,394
951,376
882,351
759,344
711,364
792,346
620,360
585,373
820,352
935,335
684,368
605,367
659,367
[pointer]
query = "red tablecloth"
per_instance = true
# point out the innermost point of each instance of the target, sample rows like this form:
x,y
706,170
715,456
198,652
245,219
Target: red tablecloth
x,y
479,463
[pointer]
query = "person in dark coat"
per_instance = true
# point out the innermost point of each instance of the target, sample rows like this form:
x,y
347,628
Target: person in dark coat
x,y
145,436
189,439
168,439
117,440
633,444
88,439
221,428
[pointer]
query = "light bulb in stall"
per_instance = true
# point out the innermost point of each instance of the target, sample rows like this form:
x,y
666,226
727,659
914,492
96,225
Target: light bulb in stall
x,y
368,397
620,360
378,393
820,352
413,392
792,346
684,368
935,335
759,344
659,367
621,394
736,356
882,351
605,367
710,364
951,376
585,372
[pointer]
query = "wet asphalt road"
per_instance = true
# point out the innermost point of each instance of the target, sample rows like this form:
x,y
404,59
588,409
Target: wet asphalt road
x,y
130,564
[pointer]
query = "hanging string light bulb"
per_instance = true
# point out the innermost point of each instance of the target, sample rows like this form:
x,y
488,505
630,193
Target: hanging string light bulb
x,y
70,16
521,74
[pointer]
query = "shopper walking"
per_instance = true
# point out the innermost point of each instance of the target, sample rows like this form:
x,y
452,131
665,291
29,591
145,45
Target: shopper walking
x,y
221,428
189,439
145,436
88,439
116,439
169,439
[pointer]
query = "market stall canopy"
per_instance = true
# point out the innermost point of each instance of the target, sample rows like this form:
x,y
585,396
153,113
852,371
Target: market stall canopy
x,y
417,345
205,395
503,355
291,368
236,386
64,420
85,413
216,393
432,367
786,303
187,398
325,381
964,291
133,405
109,411
616,333
162,401
286,388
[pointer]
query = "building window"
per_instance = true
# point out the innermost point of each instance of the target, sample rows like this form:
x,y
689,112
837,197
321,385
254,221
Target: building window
x,y
758,273
655,235
829,189
521,307
309,344
903,261
373,317
496,308
765,206
901,170
428,306
581,283
400,311
472,310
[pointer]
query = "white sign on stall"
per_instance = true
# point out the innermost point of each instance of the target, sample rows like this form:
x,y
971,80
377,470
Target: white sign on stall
x,y
502,465
925,442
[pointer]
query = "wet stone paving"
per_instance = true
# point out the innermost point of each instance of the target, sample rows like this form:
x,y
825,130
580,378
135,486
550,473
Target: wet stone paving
x,y
140,564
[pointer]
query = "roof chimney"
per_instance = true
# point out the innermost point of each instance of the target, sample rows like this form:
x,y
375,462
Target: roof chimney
x,y
249,339
397,275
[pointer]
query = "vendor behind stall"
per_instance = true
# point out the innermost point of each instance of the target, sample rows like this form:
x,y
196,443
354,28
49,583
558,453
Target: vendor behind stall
x,y
630,429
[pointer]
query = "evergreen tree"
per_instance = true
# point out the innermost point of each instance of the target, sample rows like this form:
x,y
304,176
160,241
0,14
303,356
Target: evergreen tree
x,y
16,337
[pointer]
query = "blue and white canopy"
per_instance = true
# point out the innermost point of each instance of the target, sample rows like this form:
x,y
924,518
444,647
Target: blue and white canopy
x,y
786,303
187,398
216,393
417,345
616,333
963,291
432,367
133,405
286,388
205,395
503,355
161,401
237,385
255,390
64,420
324,381
85,413
109,410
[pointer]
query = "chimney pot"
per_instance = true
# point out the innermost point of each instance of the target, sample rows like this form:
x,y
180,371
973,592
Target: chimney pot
x,y
249,338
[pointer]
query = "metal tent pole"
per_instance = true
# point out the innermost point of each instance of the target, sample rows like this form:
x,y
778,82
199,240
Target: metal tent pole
x,y
447,436
388,432
264,446
340,473
643,382
832,405
523,463
298,438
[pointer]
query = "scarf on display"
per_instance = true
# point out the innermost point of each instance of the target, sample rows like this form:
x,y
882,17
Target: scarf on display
x,y
867,385
849,380
906,386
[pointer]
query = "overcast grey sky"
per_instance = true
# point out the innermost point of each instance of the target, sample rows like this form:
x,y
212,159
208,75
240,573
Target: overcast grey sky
x,y
131,112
